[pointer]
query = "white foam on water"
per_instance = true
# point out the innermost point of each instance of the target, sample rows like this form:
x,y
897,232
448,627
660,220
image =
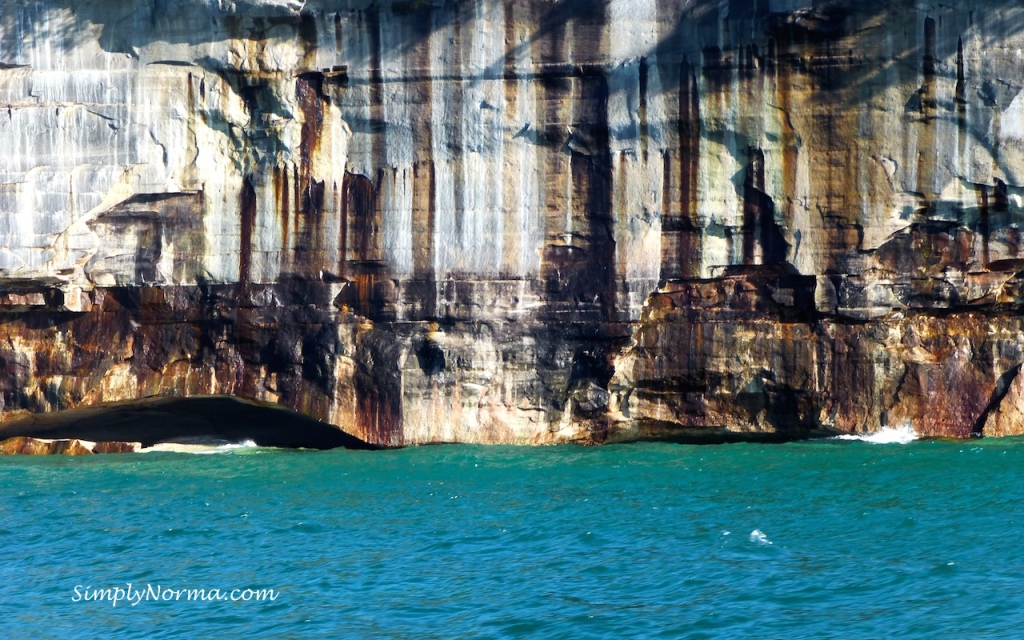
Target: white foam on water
x,y
244,444
758,537
886,435
200,449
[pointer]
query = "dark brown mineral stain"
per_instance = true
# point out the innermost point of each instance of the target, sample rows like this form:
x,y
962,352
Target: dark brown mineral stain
x,y
993,215
1002,388
753,61
378,387
247,212
362,211
310,201
376,79
153,219
803,37
307,33
148,247
313,236
311,100
643,81
583,273
669,250
927,152
555,21
423,229
790,138
343,227
1000,201
717,69
339,49
296,195
752,201
759,226
983,223
689,156
191,98
511,45
961,98
929,50
363,255
453,128
423,175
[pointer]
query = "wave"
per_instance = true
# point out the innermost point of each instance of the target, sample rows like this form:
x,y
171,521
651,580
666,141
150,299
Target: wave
x,y
760,538
886,435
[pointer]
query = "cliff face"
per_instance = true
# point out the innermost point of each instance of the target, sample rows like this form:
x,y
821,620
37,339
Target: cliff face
x,y
540,221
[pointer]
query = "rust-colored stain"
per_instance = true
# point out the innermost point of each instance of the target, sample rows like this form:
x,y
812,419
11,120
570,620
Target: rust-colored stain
x,y
378,388
362,216
309,95
311,192
283,206
423,220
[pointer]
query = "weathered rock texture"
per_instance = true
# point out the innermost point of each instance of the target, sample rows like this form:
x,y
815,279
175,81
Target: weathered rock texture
x,y
35,447
519,221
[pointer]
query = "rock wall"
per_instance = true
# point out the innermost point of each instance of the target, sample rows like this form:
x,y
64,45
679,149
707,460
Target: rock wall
x,y
533,222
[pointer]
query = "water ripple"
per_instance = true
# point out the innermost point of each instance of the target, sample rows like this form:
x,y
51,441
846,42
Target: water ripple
x,y
824,539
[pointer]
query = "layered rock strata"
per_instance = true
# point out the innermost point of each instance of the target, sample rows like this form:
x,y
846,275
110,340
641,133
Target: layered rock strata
x,y
519,222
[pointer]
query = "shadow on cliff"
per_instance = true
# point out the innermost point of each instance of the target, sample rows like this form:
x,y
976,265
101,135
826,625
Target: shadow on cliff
x,y
196,420
850,54
703,29
848,51
125,27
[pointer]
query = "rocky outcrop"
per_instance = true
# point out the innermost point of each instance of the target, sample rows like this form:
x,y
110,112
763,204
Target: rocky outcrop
x,y
524,222
35,447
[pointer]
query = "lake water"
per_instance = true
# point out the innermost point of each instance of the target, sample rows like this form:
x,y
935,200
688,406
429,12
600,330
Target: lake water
x,y
814,539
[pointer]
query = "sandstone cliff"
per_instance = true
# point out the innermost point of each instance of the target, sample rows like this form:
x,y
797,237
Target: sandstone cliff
x,y
519,221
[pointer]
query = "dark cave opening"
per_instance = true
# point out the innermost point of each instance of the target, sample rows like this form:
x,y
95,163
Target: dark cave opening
x,y
193,420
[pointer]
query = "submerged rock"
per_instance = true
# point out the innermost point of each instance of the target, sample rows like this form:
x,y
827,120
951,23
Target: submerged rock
x,y
518,222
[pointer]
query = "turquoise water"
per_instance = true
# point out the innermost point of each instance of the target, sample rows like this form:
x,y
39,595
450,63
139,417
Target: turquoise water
x,y
815,539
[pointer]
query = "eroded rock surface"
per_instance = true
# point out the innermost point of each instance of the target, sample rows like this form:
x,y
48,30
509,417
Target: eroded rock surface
x,y
26,446
533,222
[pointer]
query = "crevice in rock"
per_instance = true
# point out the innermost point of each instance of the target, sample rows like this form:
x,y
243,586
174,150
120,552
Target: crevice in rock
x,y
1002,387
194,420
